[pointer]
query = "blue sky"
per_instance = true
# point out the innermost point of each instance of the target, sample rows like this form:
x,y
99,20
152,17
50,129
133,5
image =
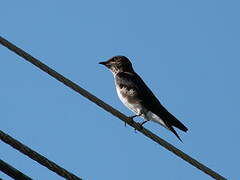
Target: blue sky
x,y
186,51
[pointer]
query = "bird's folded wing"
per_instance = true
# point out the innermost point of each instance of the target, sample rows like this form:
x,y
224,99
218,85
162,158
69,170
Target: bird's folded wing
x,y
147,98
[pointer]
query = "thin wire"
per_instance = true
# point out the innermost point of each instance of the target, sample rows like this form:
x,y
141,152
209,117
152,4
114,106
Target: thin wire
x,y
37,157
12,172
110,109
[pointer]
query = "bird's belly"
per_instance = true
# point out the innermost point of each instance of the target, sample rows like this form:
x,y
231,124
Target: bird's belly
x,y
135,107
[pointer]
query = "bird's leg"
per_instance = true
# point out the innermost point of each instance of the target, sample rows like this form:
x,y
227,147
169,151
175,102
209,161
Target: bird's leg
x,y
142,123
131,117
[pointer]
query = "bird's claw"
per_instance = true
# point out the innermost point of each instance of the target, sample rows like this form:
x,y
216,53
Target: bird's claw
x,y
130,117
135,130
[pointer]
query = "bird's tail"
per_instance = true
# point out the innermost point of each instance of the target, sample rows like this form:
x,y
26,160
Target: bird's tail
x,y
171,121
174,132
175,122
168,121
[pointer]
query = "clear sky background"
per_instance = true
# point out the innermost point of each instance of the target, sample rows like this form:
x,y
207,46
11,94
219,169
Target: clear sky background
x,y
186,51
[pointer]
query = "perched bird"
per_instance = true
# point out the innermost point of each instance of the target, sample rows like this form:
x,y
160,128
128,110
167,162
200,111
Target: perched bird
x,y
135,95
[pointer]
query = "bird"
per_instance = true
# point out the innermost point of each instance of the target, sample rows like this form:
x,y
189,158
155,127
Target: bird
x,y
136,95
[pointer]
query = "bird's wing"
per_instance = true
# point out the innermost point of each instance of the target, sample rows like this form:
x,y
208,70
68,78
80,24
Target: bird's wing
x,y
148,99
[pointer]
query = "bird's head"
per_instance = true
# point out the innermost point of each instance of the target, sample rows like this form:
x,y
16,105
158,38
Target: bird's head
x,y
118,64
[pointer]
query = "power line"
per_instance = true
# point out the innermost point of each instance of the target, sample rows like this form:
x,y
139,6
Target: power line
x,y
110,109
37,157
12,172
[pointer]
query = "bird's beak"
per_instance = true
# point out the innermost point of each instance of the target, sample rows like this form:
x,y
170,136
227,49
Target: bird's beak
x,y
103,63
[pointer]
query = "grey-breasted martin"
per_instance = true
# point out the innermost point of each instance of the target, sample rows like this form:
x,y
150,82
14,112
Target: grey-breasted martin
x,y
135,95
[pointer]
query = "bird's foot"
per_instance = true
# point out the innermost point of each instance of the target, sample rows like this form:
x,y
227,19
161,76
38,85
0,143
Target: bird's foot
x,y
142,123
131,117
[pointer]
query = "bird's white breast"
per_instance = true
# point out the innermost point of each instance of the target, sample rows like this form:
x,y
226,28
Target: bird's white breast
x,y
135,107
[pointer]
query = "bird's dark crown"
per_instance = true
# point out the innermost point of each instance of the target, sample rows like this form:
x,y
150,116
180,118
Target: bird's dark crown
x,y
118,64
